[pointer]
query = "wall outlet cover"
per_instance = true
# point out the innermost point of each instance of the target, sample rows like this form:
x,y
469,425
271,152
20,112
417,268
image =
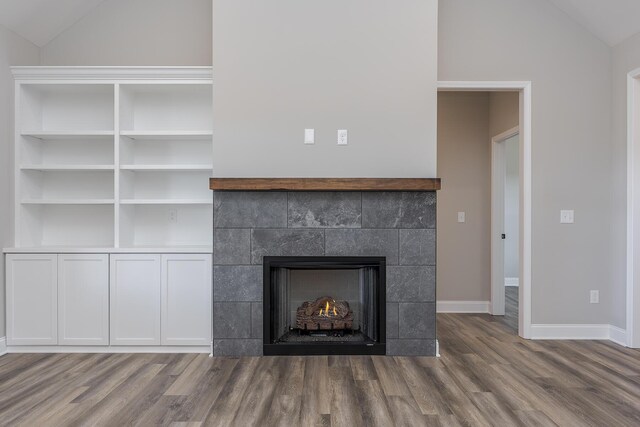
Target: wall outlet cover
x,y
343,137
309,136
566,217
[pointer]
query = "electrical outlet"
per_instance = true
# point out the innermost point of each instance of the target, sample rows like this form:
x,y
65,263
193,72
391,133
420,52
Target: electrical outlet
x,y
173,216
343,137
566,217
462,217
594,297
309,136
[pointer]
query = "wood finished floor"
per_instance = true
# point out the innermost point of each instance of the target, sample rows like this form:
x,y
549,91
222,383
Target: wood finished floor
x,y
486,376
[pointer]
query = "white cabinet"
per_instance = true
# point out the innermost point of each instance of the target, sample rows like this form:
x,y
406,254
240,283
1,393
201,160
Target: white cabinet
x,y
83,299
135,299
186,299
32,299
109,299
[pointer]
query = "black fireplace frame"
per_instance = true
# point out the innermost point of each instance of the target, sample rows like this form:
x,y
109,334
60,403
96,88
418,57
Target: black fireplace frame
x,y
323,348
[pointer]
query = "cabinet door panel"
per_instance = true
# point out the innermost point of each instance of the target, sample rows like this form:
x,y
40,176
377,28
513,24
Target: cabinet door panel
x,y
32,300
135,299
186,299
83,299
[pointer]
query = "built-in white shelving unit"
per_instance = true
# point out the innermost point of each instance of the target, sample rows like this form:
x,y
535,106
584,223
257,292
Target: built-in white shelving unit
x,y
113,158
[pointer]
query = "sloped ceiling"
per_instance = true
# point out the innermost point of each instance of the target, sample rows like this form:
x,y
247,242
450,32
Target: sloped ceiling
x,y
612,21
40,21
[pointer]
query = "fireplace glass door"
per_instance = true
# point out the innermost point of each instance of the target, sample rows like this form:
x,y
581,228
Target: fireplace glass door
x,y
324,305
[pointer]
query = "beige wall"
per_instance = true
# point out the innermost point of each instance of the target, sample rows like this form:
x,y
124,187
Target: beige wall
x,y
570,72
466,123
626,58
14,50
368,66
464,164
136,32
504,109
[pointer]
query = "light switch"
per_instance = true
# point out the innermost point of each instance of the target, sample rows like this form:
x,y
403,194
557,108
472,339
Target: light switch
x,y
309,136
594,297
566,217
461,217
343,137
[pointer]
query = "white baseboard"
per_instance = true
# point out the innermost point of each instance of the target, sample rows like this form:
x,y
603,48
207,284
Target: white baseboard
x,y
618,335
3,346
579,332
106,349
512,281
462,306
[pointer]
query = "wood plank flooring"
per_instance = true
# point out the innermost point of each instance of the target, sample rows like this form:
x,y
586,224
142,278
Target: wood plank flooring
x,y
487,376
510,317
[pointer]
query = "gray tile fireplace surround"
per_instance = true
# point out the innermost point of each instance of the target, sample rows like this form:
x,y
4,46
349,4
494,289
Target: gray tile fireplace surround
x,y
250,224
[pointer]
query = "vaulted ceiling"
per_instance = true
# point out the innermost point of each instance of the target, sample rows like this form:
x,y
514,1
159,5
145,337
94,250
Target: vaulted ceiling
x,y
612,21
40,21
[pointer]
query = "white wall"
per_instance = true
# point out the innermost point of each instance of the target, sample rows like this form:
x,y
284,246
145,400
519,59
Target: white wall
x,y
464,164
368,66
626,58
136,32
511,208
14,50
571,74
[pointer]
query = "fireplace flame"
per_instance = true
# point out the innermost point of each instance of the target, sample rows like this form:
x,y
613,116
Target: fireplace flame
x,y
328,310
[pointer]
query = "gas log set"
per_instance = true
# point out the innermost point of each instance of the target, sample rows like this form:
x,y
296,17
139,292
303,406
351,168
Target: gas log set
x,y
324,314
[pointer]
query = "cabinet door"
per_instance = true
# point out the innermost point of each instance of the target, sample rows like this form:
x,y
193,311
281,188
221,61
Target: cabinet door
x,y
83,299
32,299
186,299
135,299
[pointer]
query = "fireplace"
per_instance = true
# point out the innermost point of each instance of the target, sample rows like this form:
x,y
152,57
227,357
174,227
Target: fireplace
x,y
324,305
328,227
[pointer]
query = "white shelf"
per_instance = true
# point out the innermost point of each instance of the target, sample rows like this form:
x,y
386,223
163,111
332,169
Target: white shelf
x,y
69,134
68,201
67,168
195,135
160,168
114,157
166,202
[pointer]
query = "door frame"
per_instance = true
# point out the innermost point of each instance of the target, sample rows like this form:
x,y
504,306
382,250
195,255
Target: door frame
x,y
524,88
498,177
633,209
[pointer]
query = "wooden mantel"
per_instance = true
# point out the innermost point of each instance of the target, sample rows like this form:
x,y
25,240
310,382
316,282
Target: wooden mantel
x,y
324,184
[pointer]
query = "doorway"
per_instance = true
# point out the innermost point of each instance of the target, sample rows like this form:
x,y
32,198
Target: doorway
x,y
524,289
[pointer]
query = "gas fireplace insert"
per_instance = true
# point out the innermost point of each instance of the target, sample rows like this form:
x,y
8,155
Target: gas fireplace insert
x,y
324,305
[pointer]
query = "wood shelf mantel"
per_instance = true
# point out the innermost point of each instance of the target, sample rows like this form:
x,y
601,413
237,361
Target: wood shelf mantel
x,y
324,184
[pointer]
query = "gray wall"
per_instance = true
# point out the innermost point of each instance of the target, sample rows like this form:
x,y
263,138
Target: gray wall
x,y
14,50
368,66
136,32
488,40
571,74
626,58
